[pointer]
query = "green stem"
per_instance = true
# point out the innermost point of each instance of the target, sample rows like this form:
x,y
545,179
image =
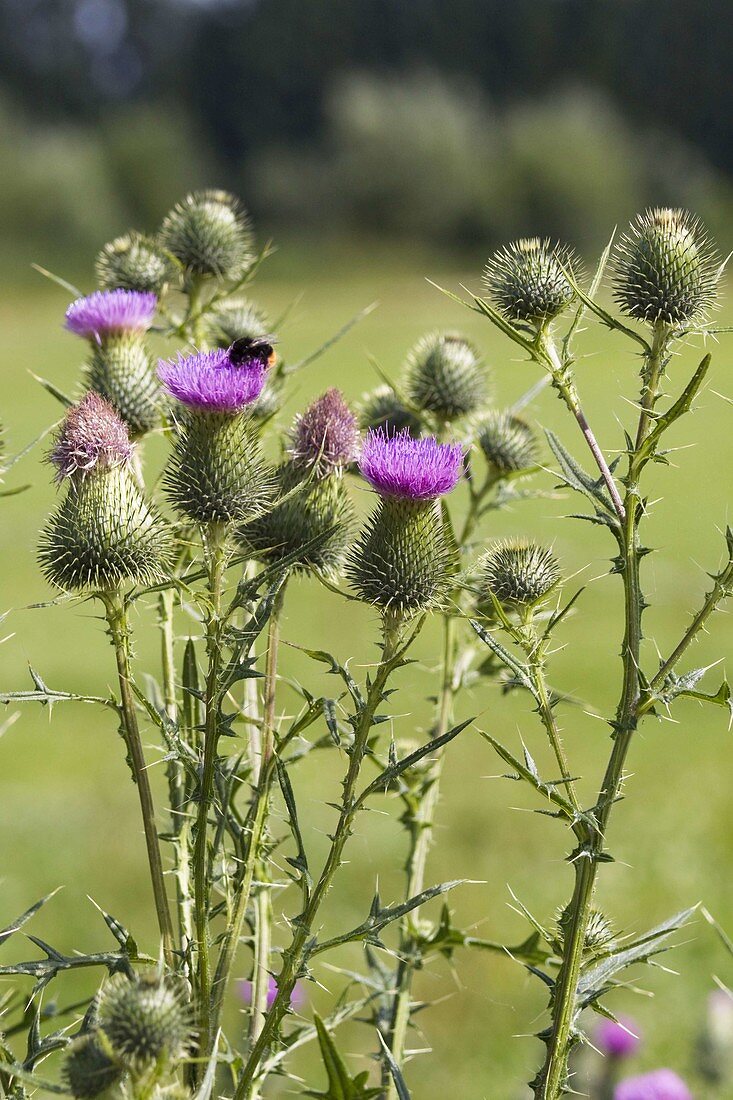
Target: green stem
x,y
546,712
295,956
116,611
216,554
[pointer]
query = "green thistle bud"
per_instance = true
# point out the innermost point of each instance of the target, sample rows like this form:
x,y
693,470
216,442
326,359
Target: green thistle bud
x,y
238,319
216,473
518,572
508,442
666,268
526,280
445,376
401,561
104,532
121,370
145,1019
314,508
382,409
134,262
599,935
89,1067
209,232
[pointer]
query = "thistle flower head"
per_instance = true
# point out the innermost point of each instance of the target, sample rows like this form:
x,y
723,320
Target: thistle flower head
x,y
617,1039
415,469
445,376
134,262
145,1019
508,442
209,232
238,319
325,437
383,409
660,1084
665,268
518,572
91,437
89,1067
210,380
107,312
526,281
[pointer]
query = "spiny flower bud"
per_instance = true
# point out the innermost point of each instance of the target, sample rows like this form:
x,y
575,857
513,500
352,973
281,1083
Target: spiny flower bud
x,y
445,376
508,442
209,232
526,280
134,262
401,561
313,509
89,1067
325,437
120,368
104,533
665,268
382,409
216,473
238,319
145,1019
518,572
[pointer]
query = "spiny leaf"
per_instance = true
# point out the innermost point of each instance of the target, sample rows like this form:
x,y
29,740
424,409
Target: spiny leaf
x,y
394,1069
341,1085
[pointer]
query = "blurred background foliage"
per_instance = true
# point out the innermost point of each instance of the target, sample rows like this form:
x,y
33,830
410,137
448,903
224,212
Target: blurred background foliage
x,y
380,141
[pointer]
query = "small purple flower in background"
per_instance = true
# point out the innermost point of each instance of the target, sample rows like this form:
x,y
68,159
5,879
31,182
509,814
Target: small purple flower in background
x,y
326,435
617,1039
298,997
209,380
661,1084
111,311
416,469
92,435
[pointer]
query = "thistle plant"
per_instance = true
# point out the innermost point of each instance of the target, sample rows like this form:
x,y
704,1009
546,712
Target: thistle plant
x,y
388,507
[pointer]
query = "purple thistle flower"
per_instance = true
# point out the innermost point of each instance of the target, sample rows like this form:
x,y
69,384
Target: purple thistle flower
x,y
92,435
617,1039
418,469
326,435
298,997
108,311
209,380
661,1084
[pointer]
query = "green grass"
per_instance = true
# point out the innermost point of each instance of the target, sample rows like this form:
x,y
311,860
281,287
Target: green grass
x,y
69,810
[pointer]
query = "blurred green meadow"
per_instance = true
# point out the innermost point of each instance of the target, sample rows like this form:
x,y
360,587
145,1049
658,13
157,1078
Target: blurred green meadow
x,y
69,811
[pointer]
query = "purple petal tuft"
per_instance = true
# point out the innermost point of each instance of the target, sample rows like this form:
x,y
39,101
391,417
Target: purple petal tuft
x,y
617,1040
419,469
108,311
92,435
662,1084
209,380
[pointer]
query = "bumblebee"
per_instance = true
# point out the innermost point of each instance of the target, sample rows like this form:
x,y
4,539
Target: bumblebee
x,y
253,349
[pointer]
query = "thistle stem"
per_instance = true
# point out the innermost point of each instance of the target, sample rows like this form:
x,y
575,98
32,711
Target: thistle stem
x,y
216,553
295,956
116,612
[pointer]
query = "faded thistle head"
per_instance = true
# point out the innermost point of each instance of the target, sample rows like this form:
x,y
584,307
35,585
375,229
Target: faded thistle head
x,y
134,262
90,1067
145,1019
401,561
104,533
445,376
210,234
508,442
518,573
526,281
383,409
216,473
325,438
665,268
111,313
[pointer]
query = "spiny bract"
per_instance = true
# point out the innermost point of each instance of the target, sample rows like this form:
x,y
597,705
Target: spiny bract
x,y
526,281
665,268
237,319
507,441
518,572
145,1019
445,376
382,409
90,1068
210,233
121,371
133,262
